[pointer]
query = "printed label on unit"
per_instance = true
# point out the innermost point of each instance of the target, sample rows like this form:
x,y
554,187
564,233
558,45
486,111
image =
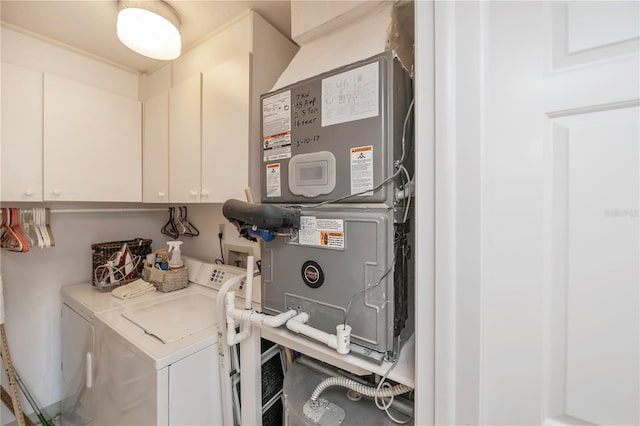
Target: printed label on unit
x,y
273,180
278,153
362,170
351,95
321,232
276,126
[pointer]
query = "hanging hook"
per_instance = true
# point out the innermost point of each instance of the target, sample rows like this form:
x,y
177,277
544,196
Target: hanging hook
x,y
191,230
170,227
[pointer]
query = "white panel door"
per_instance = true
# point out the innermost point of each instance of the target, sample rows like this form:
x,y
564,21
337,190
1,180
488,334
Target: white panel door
x,y
155,149
92,143
21,134
543,134
184,141
225,130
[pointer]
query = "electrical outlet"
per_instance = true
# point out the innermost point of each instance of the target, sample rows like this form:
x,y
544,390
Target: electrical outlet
x,y
221,229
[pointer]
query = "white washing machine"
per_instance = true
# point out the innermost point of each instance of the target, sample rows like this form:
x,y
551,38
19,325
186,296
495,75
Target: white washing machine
x,y
146,361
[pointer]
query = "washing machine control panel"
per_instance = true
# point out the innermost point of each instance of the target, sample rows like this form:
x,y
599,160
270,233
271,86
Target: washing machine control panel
x,y
214,275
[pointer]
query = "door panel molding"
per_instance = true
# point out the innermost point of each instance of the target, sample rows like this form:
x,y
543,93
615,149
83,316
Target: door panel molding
x,y
591,314
595,108
574,40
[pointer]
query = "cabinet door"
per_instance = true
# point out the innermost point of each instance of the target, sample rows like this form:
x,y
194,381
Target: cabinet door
x,y
92,144
225,130
184,142
77,368
155,151
21,134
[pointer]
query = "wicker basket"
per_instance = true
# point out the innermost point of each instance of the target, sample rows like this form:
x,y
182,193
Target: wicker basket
x,y
102,252
171,280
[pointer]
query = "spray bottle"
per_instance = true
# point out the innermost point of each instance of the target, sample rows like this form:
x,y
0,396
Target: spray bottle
x,y
176,257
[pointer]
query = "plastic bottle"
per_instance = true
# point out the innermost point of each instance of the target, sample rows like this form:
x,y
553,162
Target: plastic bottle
x,y
176,257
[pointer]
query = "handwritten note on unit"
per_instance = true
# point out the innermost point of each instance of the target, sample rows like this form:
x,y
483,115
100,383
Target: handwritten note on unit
x,y
305,109
351,95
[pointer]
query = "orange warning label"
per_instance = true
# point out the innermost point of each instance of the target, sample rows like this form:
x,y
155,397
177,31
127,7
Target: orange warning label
x,y
332,239
277,135
362,149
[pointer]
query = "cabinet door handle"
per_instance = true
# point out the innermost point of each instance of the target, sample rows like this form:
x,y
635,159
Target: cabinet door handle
x,y
56,192
29,192
204,193
89,372
160,194
193,193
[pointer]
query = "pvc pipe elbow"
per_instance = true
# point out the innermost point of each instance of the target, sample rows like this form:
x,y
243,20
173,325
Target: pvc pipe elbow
x,y
276,321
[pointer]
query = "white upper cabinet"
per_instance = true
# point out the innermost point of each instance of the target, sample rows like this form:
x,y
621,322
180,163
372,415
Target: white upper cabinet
x,y
21,134
225,130
214,115
92,143
155,151
184,145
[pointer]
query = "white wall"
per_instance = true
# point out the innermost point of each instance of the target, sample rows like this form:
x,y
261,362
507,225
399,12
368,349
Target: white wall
x,y
357,37
32,283
312,19
28,52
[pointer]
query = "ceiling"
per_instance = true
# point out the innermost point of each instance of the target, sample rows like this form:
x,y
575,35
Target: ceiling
x,y
90,25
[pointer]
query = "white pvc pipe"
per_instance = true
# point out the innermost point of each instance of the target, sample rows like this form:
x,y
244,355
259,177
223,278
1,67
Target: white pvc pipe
x,y
248,317
234,338
229,298
295,322
339,341
225,358
271,321
248,286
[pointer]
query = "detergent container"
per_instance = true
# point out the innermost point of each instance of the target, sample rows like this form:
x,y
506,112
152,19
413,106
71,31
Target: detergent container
x,y
175,254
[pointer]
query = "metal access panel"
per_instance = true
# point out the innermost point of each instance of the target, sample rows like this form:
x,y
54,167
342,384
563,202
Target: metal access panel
x,y
339,256
336,134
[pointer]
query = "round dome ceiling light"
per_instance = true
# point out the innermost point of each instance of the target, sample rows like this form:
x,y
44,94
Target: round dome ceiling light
x,y
149,28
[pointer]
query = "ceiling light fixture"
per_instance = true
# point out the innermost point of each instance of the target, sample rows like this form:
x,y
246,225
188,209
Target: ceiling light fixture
x,y
149,28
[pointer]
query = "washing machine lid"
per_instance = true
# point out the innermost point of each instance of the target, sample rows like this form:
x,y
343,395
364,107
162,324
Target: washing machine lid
x,y
174,319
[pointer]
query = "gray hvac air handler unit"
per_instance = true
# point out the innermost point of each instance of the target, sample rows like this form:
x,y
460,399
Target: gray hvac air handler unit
x,y
336,135
335,139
